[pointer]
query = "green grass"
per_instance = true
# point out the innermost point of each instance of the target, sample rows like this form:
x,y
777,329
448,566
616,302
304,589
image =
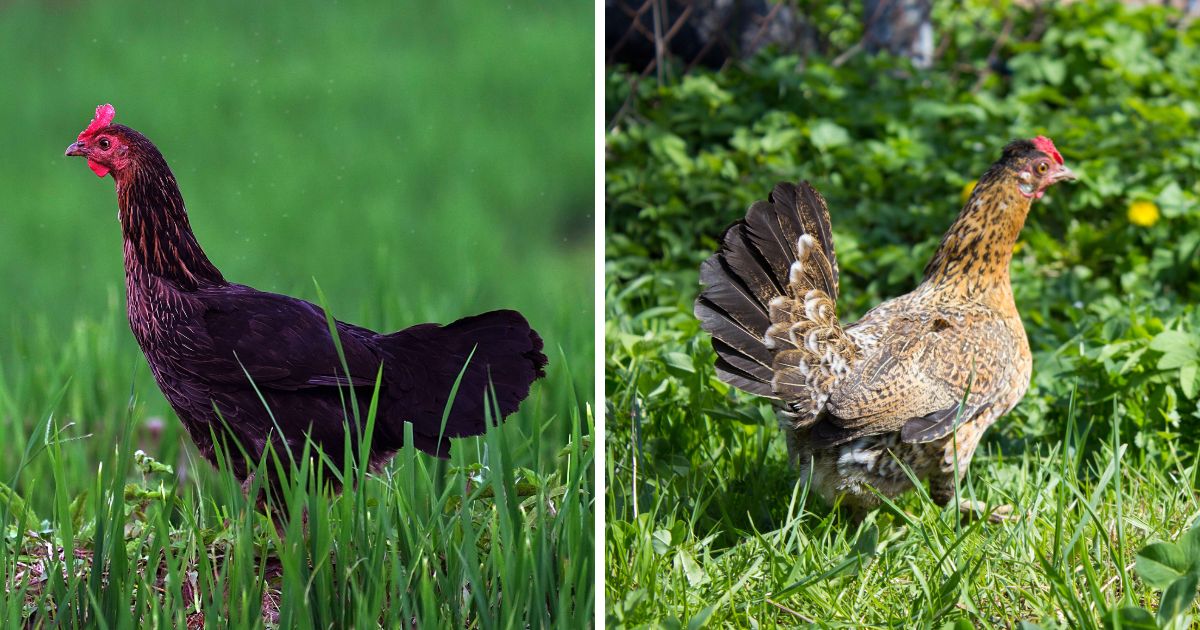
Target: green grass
x,y
707,523
400,157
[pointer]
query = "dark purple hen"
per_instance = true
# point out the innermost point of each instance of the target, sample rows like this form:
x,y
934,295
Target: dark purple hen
x,y
214,346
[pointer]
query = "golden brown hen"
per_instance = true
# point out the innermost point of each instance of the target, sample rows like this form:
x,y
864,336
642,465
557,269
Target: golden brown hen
x,y
920,377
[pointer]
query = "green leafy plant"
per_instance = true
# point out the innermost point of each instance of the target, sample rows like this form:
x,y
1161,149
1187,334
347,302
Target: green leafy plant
x,y
1173,568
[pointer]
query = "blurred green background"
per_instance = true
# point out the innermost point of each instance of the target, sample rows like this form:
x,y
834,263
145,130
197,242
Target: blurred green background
x,y
421,162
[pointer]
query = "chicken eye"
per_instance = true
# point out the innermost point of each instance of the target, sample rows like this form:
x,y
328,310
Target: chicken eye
x,y
1041,168
103,144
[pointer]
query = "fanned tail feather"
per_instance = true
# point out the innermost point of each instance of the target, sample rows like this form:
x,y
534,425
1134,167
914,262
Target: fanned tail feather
x,y
770,302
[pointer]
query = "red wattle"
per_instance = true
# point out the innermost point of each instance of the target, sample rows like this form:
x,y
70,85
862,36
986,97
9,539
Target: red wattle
x,y
99,169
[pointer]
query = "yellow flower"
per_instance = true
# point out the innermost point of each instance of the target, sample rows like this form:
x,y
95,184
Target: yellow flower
x,y
967,189
1017,247
1143,213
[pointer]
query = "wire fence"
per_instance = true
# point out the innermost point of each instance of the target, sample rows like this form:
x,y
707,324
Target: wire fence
x,y
710,33
645,35
670,38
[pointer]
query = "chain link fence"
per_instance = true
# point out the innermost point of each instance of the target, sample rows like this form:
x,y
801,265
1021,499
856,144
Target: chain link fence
x,y
644,35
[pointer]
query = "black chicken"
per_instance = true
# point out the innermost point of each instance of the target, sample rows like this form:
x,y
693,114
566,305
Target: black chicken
x,y
214,346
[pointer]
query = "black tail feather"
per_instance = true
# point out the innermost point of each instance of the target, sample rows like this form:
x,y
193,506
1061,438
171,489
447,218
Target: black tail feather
x,y
502,355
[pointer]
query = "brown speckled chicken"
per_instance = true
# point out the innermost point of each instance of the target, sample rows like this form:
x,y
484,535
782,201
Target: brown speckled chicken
x,y
856,398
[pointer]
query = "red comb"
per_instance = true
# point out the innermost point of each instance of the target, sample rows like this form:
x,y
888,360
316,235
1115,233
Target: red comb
x,y
103,118
1044,144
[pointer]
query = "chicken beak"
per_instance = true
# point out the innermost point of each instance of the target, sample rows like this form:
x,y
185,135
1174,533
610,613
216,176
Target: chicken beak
x,y
1063,174
77,148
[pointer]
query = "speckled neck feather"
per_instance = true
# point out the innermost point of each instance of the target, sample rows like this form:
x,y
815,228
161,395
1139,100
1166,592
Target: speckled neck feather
x,y
974,255
158,236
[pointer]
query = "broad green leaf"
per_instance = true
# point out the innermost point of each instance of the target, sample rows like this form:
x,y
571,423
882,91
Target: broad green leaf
x,y
705,87
680,361
673,148
692,569
1188,379
1178,348
679,533
780,139
1190,543
1055,70
1134,618
826,134
661,541
867,541
1171,339
1178,597
1173,200
1160,564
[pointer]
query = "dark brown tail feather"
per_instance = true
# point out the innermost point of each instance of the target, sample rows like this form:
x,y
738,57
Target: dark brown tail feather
x,y
505,358
751,267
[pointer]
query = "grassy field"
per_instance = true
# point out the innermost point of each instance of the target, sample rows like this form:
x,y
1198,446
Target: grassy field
x,y
708,525
419,164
